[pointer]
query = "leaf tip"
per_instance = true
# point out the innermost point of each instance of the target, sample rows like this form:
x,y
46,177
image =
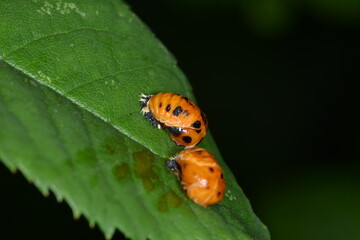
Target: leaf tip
x,y
58,197
91,224
45,192
76,214
109,234
14,170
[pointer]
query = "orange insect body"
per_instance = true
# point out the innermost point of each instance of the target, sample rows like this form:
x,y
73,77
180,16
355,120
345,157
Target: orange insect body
x,y
200,175
175,111
186,137
186,123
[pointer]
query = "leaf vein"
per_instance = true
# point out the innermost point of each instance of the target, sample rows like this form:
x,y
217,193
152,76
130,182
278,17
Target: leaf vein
x,y
110,75
57,34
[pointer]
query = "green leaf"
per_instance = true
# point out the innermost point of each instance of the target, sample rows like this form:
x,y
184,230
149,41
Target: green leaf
x,y
70,79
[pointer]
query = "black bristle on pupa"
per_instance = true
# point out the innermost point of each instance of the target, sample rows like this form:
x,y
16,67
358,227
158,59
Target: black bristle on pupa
x,y
151,119
144,100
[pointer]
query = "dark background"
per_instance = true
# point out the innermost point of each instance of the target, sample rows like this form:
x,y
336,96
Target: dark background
x,y
278,81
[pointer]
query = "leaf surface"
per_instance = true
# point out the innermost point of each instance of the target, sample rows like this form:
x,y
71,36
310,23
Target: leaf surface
x,y
70,78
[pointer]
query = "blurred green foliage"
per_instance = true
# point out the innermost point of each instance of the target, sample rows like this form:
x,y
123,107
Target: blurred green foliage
x,y
273,16
314,206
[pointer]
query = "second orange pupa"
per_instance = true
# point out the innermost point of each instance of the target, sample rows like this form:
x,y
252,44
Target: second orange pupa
x,y
200,175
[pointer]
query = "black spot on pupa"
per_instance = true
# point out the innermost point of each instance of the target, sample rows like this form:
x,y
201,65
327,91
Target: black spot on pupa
x,y
160,105
219,194
174,131
168,107
186,99
198,131
211,169
222,176
177,111
187,139
196,124
203,116
186,113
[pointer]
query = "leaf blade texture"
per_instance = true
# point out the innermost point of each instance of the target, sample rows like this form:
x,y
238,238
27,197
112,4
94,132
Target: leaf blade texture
x,y
70,78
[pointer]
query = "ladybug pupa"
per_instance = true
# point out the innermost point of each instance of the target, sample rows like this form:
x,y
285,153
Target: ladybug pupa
x,y
185,122
200,175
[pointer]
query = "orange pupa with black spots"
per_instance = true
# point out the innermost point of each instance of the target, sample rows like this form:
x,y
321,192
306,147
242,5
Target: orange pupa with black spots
x,y
200,175
185,121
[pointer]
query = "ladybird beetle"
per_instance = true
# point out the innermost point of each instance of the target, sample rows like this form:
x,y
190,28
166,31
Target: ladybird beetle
x,y
200,174
186,123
